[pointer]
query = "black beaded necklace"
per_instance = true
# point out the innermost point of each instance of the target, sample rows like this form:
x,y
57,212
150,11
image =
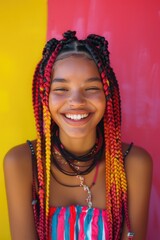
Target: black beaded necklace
x,y
92,157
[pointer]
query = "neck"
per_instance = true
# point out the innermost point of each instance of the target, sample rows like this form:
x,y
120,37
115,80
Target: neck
x,y
78,146
86,150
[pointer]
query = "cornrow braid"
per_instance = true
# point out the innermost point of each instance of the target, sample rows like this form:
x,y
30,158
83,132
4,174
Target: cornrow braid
x,y
116,184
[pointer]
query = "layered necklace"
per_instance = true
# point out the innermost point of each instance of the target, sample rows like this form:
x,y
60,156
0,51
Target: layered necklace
x,y
71,164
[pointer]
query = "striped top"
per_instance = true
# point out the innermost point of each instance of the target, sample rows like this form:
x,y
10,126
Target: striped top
x,y
78,223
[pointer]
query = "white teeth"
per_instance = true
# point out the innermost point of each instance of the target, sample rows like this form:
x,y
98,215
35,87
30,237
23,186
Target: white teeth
x,y
76,116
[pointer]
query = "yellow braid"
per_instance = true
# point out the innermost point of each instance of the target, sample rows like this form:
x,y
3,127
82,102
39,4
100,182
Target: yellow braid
x,y
47,124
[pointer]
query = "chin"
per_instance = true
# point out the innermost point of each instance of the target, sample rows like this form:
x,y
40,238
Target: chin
x,y
79,133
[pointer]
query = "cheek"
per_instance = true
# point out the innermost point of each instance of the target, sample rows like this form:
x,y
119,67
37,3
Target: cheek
x,y
55,103
54,100
52,103
53,108
101,102
102,106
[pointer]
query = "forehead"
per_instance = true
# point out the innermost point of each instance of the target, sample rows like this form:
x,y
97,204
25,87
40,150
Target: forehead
x,y
73,54
75,63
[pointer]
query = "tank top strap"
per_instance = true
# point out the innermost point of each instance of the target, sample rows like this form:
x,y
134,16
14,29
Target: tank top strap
x,y
34,172
128,150
31,148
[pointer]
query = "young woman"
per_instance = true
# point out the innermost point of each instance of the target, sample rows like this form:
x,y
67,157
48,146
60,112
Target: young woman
x,y
77,180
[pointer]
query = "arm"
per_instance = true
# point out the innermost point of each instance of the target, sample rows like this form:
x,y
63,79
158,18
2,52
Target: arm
x,y
139,178
18,179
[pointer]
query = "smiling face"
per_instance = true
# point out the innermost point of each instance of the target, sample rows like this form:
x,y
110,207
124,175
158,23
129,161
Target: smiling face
x,y
76,99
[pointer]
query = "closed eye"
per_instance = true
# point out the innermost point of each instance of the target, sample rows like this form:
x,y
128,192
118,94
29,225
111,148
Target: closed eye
x,y
92,89
60,90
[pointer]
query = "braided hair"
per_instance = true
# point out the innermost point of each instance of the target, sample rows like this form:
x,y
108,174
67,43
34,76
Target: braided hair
x,y
116,185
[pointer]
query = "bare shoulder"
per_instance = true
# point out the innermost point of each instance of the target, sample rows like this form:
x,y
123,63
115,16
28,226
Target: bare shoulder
x,y
18,159
19,152
138,167
138,159
18,175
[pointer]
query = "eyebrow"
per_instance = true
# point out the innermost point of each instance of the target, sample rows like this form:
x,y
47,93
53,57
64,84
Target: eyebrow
x,y
63,80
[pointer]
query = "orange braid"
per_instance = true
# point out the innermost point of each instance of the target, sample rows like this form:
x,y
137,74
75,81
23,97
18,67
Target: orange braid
x,y
108,179
47,123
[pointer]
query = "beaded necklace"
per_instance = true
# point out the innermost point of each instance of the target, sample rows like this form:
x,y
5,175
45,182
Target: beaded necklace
x,y
61,156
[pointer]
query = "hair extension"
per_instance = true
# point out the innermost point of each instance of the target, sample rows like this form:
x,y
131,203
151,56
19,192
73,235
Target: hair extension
x,y
116,184
38,118
112,121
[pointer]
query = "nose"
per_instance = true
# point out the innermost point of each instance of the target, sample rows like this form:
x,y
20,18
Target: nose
x,y
76,99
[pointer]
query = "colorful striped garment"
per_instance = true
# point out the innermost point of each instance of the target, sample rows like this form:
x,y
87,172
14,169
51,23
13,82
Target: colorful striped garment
x,y
78,223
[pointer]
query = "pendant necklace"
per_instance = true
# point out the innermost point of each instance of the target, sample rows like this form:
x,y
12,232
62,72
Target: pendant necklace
x,y
86,189
82,184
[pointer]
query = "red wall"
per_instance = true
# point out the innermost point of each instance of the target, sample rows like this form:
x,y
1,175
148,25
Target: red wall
x,y
133,31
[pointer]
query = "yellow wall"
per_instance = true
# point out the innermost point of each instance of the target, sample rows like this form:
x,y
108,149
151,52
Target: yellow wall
x,y
22,37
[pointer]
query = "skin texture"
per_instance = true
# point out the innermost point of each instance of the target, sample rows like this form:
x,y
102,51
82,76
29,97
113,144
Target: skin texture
x,y
79,92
